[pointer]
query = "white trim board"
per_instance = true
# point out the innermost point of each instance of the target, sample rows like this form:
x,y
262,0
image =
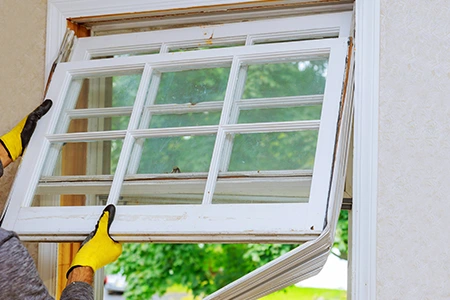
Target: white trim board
x,y
365,160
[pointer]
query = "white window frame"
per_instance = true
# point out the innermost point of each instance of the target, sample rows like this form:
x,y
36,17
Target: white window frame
x,y
300,222
363,247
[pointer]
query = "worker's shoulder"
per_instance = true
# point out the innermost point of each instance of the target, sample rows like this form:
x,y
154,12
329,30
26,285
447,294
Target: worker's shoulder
x,y
6,235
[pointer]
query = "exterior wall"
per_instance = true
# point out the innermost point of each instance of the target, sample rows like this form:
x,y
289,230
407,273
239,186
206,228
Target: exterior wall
x,y
22,63
22,67
413,256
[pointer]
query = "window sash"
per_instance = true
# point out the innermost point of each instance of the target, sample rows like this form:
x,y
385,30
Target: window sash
x,y
293,222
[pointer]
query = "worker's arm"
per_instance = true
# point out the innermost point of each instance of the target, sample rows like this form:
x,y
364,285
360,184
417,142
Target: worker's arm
x,y
97,250
13,143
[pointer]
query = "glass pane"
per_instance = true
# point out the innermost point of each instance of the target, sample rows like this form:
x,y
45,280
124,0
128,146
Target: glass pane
x,y
181,120
180,154
262,190
300,36
163,191
128,54
209,44
192,86
71,196
285,79
99,124
300,113
83,158
273,151
98,93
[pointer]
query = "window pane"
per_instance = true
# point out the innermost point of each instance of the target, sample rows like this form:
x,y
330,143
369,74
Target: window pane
x,y
192,86
83,158
300,113
273,151
126,54
71,196
208,45
181,120
285,79
262,190
180,154
99,124
100,93
162,191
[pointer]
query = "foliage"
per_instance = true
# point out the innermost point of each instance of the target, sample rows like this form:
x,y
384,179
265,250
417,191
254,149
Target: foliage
x,y
201,268
341,239
300,293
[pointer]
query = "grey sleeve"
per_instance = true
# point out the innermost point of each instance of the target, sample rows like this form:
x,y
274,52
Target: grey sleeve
x,y
19,278
78,290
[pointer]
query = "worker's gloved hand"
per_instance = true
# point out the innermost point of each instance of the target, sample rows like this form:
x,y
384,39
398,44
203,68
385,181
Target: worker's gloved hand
x,y
99,248
17,139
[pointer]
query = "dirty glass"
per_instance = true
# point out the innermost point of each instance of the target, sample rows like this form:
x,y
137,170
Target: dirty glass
x,y
192,86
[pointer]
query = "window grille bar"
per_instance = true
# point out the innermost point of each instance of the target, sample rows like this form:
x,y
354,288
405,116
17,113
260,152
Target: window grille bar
x,y
73,91
221,135
271,127
124,158
185,108
174,131
280,102
144,122
84,113
87,136
234,115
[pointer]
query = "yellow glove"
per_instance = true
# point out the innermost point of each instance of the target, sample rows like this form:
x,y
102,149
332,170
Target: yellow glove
x,y
17,139
99,248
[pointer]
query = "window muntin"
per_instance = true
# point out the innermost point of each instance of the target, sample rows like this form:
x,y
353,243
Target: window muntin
x,y
217,190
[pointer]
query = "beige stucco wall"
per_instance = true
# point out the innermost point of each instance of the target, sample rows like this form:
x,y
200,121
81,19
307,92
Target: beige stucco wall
x,y
413,242
22,51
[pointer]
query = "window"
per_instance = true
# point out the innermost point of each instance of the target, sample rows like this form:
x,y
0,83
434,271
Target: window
x,y
198,91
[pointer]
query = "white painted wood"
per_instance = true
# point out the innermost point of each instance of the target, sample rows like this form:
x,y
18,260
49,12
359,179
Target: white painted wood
x,y
92,8
219,17
87,136
48,256
162,223
144,122
296,28
124,158
221,134
323,161
84,113
365,161
280,102
188,60
222,57
185,108
271,127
